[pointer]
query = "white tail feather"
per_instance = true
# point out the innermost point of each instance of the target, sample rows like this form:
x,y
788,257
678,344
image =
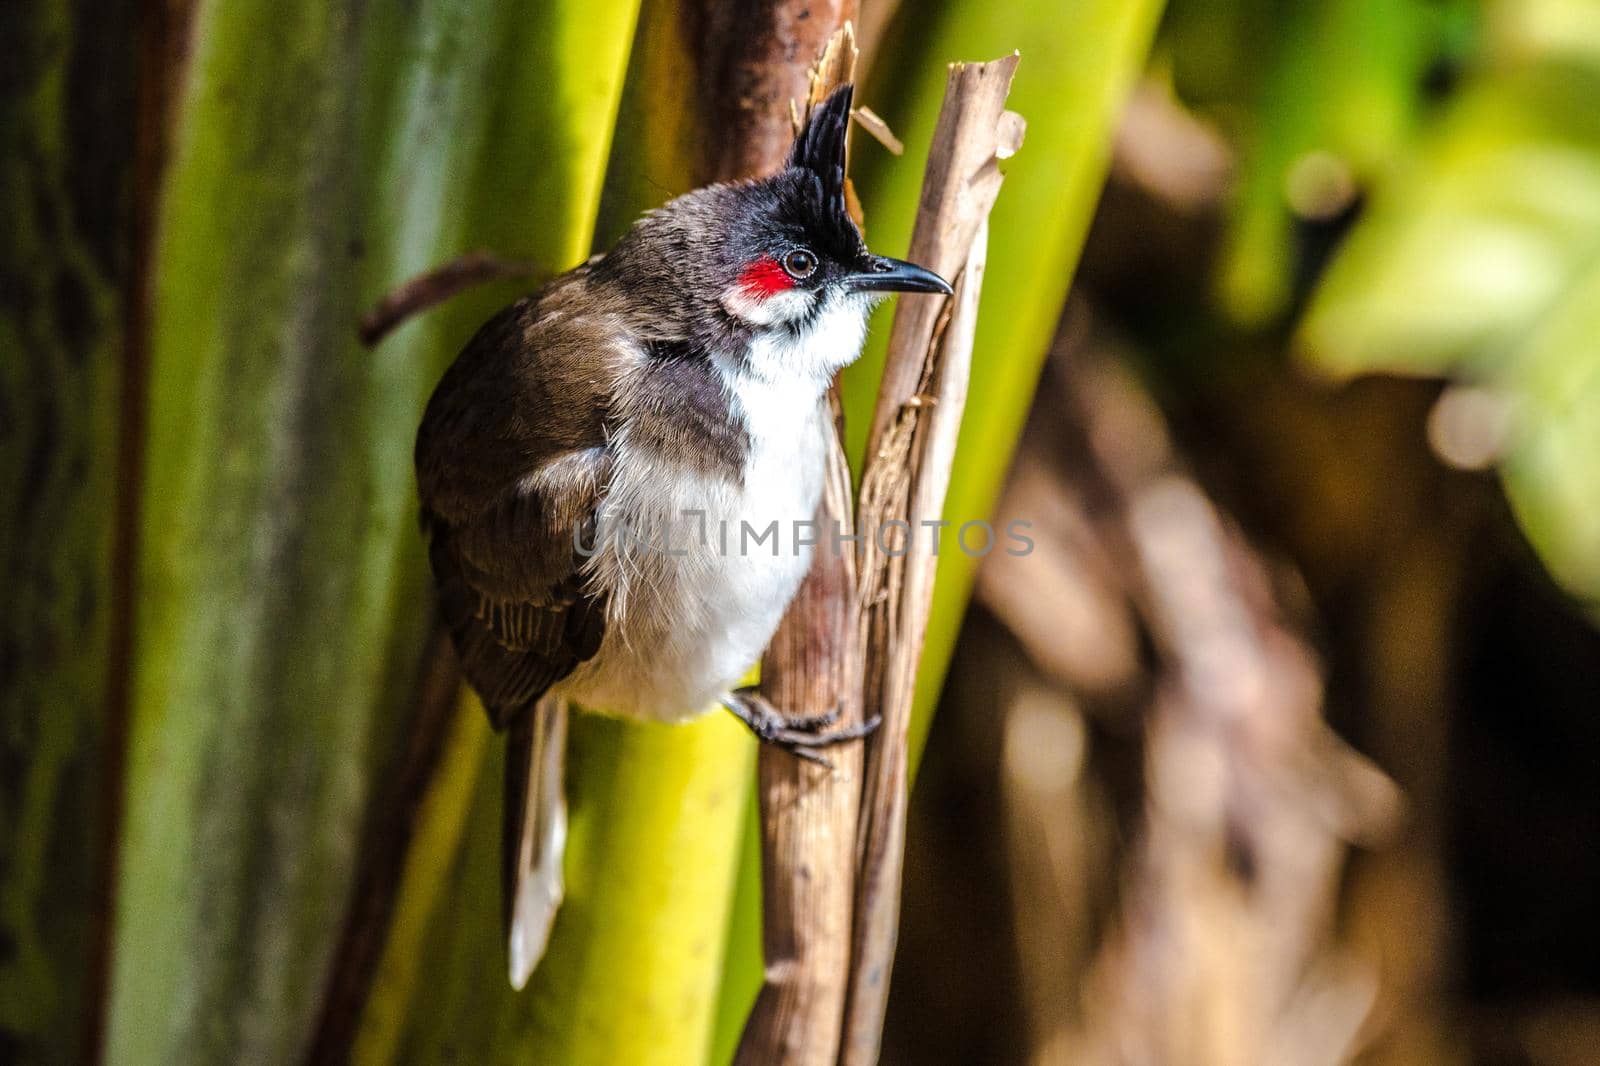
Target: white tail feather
x,y
538,885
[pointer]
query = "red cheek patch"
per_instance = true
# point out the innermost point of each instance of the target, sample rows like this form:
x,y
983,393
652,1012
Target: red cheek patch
x,y
765,277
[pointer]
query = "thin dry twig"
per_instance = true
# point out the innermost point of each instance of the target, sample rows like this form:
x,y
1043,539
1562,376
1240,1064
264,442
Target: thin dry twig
x,y
428,290
873,123
910,453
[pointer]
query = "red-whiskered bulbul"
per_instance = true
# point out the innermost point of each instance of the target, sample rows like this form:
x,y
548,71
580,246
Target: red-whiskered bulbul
x,y
601,467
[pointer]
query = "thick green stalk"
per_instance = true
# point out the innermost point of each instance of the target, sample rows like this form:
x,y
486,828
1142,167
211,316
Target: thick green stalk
x,y
429,862
320,154
635,957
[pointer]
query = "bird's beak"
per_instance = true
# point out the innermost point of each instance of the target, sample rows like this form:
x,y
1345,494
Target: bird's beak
x,y
895,275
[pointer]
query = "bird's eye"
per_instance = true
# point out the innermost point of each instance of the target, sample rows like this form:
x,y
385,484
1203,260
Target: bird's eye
x,y
800,263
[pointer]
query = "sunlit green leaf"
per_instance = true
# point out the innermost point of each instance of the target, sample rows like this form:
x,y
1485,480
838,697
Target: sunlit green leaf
x,y
1552,466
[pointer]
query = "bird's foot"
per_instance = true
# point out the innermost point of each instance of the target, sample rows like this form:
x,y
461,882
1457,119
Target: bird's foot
x,y
798,736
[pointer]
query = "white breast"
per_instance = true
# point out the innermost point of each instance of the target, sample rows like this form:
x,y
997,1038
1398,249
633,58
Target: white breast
x,y
689,619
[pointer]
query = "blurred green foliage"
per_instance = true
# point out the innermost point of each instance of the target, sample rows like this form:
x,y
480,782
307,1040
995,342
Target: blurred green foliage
x,y
64,272
1338,96
1448,152
1477,259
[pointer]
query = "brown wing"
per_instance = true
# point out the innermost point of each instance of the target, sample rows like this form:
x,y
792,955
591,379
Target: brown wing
x,y
511,462
512,650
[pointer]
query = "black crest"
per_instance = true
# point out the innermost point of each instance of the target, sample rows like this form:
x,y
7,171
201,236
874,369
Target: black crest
x,y
820,146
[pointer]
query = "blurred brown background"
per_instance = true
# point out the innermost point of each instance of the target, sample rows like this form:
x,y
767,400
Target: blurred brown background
x,y
1282,745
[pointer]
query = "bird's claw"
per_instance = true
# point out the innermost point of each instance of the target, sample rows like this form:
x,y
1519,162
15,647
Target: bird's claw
x,y
797,736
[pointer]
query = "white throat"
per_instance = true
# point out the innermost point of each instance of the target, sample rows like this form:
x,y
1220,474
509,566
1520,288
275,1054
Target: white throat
x,y
800,363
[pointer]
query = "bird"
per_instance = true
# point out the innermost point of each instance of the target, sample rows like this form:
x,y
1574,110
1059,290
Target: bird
x,y
617,473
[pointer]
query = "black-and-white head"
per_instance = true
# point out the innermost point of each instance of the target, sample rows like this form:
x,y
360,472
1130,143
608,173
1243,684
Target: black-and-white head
x,y
776,262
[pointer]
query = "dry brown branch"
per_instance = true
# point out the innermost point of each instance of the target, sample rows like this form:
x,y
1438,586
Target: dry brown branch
x,y
754,56
973,133
909,457
808,817
808,812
